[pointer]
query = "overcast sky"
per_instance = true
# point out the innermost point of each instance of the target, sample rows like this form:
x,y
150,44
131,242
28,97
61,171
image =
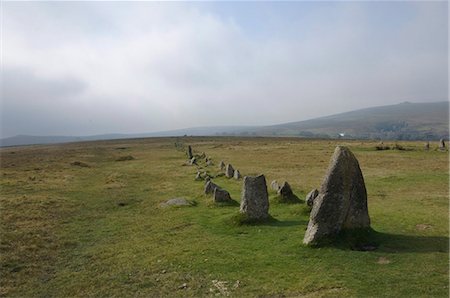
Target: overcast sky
x,y
83,68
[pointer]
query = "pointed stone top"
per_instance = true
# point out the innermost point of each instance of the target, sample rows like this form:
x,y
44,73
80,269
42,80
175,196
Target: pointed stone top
x,y
342,200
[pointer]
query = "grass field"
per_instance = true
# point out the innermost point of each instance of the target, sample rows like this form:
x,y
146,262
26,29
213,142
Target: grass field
x,y
98,230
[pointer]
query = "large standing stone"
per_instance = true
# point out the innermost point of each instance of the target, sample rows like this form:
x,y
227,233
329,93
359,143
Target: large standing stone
x,y
442,144
255,200
342,200
229,171
222,165
210,187
222,196
189,152
237,175
311,196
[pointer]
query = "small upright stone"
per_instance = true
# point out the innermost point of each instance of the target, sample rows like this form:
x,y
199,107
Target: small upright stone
x,y
442,144
222,165
286,195
255,200
427,146
221,196
274,185
237,175
285,190
189,152
198,176
342,200
210,187
229,171
311,196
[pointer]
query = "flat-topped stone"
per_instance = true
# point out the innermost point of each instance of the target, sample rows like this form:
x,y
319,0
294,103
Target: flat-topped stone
x,y
255,200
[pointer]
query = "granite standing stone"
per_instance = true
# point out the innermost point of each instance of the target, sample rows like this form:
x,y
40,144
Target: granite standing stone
x,y
222,165
255,200
210,187
221,196
342,200
237,175
286,195
274,185
442,144
229,171
427,146
189,152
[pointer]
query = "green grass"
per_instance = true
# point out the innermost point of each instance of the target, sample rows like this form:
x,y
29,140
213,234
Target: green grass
x,y
99,231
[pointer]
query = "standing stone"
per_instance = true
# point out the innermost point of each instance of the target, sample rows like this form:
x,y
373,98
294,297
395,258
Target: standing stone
x,y
237,175
229,171
210,187
255,200
311,196
274,185
222,165
221,196
189,152
198,176
286,195
285,190
342,200
427,146
442,144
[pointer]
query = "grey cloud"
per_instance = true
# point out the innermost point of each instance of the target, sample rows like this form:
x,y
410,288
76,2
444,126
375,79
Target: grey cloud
x,y
137,67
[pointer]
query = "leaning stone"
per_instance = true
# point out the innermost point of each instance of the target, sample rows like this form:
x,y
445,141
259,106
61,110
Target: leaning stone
x,y
221,196
274,185
255,200
311,196
198,176
237,175
222,165
210,187
189,152
193,161
229,171
342,200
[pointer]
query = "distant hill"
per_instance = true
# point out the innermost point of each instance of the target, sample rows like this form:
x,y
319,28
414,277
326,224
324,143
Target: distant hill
x,y
405,121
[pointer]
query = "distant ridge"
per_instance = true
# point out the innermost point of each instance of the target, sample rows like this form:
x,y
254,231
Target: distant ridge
x,y
405,121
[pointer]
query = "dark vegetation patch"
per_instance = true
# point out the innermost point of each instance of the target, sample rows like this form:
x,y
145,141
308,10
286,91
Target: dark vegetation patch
x,y
125,158
80,164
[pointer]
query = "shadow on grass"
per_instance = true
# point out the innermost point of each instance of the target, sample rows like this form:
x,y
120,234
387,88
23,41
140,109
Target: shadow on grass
x,y
368,240
241,219
393,243
286,223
